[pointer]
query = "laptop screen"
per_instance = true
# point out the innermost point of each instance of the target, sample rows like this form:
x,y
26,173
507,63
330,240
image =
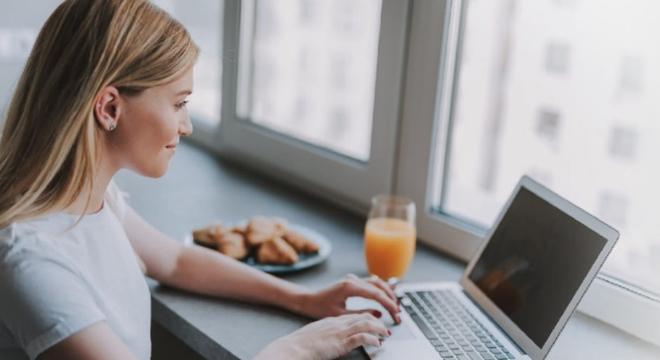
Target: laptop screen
x,y
534,263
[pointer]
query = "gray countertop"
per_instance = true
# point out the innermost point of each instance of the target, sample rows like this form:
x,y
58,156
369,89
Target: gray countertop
x,y
199,189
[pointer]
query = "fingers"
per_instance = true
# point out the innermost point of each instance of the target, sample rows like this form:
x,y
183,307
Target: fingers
x,y
356,326
366,323
375,312
367,290
379,283
361,339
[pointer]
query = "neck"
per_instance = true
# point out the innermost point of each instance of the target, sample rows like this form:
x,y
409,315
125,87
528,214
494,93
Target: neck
x,y
105,173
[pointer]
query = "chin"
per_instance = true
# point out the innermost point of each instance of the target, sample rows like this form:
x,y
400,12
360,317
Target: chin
x,y
154,170
154,166
159,172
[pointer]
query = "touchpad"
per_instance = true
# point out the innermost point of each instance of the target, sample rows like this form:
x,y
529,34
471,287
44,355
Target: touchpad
x,y
399,332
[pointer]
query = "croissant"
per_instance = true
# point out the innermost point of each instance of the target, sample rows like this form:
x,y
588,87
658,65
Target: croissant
x,y
300,243
276,251
208,236
233,245
261,229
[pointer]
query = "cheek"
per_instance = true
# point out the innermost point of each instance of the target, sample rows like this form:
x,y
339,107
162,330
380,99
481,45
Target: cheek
x,y
157,129
167,128
143,142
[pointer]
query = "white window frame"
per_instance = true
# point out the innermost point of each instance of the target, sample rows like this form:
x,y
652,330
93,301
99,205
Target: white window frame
x,y
331,175
432,55
422,35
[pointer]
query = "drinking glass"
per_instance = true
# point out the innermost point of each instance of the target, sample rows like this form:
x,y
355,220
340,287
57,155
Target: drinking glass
x,y
390,236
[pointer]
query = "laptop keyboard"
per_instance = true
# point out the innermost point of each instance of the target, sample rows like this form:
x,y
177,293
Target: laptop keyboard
x,y
451,329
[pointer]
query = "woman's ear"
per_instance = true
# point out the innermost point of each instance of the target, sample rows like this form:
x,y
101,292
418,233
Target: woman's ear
x,y
106,108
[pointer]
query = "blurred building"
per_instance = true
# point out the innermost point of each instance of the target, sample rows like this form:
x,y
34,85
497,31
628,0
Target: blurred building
x,y
563,91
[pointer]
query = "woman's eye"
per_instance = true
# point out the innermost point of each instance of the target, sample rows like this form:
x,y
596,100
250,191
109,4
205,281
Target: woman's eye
x,y
181,104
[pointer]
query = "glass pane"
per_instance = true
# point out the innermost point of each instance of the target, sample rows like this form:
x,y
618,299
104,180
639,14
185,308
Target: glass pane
x,y
566,92
312,68
204,22
20,22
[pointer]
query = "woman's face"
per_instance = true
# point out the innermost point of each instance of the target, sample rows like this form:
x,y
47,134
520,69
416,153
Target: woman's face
x,y
150,125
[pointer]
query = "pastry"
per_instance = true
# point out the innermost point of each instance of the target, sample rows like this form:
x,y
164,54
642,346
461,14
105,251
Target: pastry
x,y
239,229
300,243
268,239
276,251
261,229
233,245
208,236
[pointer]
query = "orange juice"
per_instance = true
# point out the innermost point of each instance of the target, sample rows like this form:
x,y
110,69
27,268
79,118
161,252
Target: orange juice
x,y
389,246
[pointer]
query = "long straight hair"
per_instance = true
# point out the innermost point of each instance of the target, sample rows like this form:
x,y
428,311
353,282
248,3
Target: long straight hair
x,y
49,146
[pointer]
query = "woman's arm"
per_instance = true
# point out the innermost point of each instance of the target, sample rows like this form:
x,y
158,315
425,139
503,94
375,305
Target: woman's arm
x,y
203,271
207,272
97,341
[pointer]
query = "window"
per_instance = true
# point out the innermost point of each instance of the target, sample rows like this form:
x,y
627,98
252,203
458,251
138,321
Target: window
x,y
15,44
499,115
623,143
557,58
448,102
577,135
19,26
331,60
203,21
314,92
547,127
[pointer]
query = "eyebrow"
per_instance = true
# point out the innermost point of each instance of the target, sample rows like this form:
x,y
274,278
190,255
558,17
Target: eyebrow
x,y
184,92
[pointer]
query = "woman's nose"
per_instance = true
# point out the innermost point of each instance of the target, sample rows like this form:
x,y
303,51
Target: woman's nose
x,y
186,127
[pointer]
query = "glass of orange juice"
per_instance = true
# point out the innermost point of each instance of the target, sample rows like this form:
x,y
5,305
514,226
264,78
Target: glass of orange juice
x,y
389,236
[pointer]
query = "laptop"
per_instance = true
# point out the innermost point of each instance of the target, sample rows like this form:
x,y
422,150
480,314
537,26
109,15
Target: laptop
x,y
515,295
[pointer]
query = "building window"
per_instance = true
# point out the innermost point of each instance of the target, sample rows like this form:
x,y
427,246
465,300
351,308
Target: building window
x,y
557,58
623,143
547,126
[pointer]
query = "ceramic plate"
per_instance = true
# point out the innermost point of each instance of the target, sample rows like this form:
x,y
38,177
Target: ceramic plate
x,y
305,260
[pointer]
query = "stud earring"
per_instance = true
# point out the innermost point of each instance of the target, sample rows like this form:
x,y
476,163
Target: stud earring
x,y
112,126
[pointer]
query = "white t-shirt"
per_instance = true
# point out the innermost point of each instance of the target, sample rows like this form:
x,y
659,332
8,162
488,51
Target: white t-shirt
x,y
54,283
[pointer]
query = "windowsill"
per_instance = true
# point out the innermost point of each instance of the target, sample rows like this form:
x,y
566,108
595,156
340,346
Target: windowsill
x,y
199,189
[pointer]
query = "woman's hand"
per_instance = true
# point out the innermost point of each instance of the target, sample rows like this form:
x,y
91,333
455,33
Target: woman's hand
x,y
331,301
329,338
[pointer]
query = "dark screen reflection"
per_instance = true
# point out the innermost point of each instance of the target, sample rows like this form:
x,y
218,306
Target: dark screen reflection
x,y
535,262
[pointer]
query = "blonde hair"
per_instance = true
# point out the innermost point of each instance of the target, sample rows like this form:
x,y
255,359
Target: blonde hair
x,y
49,147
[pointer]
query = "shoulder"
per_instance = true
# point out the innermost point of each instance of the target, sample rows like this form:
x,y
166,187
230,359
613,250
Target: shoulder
x,y
21,248
44,297
17,241
29,257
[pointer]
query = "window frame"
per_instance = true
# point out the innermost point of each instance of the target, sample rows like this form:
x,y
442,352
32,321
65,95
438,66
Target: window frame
x,y
431,81
329,174
419,66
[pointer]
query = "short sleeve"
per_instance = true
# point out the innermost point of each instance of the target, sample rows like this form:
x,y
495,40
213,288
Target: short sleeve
x,y
43,302
117,200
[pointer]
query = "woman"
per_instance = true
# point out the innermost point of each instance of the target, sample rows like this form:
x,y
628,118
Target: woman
x,y
105,88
